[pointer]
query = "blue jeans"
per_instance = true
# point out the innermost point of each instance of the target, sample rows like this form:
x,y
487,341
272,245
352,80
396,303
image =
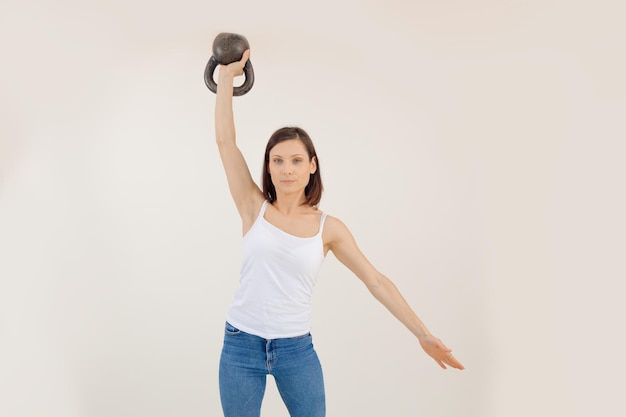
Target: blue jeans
x,y
247,360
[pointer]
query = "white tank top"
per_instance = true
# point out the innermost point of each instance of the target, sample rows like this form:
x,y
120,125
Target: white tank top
x,y
278,273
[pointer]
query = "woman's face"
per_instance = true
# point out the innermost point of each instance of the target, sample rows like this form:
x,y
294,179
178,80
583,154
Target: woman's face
x,y
290,167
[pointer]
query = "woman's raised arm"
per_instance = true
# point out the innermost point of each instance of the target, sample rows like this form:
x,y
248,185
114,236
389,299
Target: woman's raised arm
x,y
246,194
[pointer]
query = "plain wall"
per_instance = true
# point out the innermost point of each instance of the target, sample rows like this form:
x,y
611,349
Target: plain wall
x,y
475,149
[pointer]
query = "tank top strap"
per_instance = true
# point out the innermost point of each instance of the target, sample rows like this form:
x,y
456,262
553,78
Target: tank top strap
x,y
322,220
263,207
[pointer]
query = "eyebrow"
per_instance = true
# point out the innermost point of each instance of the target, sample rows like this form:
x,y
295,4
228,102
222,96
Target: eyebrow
x,y
280,156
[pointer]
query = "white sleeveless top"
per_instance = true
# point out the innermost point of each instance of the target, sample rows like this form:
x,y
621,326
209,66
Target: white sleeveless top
x,y
278,273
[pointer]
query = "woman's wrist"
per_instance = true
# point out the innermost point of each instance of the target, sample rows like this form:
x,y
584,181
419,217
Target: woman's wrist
x,y
225,76
420,331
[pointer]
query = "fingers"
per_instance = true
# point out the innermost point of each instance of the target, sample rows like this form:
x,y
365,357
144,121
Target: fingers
x,y
447,358
440,353
241,63
453,362
245,57
235,68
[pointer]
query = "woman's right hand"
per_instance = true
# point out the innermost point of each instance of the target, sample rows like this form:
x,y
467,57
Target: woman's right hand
x,y
235,69
439,352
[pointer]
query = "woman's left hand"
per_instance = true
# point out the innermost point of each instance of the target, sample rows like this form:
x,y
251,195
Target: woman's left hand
x,y
439,352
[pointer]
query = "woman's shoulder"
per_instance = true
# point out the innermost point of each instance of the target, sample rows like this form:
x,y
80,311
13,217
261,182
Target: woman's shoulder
x,y
334,228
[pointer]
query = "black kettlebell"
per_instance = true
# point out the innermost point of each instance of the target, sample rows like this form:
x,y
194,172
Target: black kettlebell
x,y
228,48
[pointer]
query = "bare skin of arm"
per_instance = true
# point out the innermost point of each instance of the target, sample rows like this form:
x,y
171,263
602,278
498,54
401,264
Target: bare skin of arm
x,y
341,242
246,194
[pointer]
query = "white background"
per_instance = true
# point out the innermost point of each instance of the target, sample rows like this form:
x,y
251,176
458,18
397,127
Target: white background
x,y
475,149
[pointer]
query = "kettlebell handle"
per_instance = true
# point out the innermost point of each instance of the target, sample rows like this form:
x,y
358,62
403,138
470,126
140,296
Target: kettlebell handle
x,y
228,48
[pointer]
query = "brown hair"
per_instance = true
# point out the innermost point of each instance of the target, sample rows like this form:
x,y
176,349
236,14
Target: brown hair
x,y
313,190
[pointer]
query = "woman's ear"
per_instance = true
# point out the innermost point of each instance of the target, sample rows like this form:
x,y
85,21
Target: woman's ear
x,y
313,165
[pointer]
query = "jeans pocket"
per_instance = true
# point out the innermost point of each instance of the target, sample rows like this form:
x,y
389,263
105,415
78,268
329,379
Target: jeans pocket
x,y
231,330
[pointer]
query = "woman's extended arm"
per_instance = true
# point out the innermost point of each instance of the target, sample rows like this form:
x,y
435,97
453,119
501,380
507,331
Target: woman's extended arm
x,y
245,192
345,249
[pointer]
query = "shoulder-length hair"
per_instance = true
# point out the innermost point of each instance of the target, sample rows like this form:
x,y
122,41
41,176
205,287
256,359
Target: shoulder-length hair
x,y
313,190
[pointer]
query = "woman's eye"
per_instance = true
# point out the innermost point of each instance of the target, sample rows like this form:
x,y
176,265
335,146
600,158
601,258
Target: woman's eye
x,y
277,161
297,161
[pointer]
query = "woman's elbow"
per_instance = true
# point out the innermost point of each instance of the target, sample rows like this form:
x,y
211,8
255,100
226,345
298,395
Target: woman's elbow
x,y
375,282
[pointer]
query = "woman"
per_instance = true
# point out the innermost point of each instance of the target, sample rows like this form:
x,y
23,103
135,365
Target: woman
x,y
285,241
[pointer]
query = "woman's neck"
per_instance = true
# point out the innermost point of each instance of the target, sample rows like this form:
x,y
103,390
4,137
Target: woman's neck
x,y
288,204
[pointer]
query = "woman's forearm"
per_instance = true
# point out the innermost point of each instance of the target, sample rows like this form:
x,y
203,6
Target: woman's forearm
x,y
386,292
224,118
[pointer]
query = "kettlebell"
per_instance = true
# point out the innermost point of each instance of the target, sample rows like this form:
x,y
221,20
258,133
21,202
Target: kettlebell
x,y
228,48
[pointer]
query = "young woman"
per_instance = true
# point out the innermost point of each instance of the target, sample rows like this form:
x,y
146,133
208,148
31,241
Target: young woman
x,y
285,240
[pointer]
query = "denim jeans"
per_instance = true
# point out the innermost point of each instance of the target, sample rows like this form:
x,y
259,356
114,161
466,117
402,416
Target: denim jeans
x,y
246,361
